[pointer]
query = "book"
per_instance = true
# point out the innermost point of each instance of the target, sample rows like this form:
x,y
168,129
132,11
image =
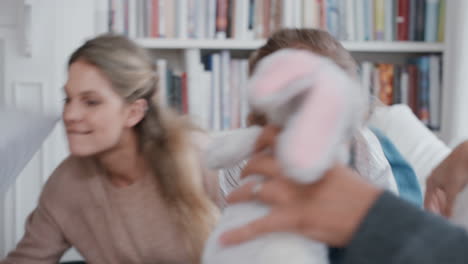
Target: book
x,y
154,18
333,18
369,20
413,89
216,122
211,19
225,90
402,20
350,23
434,92
379,20
389,13
423,65
386,83
221,19
132,19
161,69
412,20
311,14
182,19
420,19
397,93
169,18
441,26
404,85
184,94
431,22
259,19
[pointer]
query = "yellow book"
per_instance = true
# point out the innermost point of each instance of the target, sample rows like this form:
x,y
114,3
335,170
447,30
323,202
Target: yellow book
x,y
441,26
379,19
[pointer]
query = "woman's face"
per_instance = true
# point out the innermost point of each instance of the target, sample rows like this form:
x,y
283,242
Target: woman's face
x,y
95,116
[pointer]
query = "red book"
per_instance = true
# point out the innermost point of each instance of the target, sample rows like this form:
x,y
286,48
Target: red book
x,y
155,18
322,14
221,16
184,92
402,20
266,18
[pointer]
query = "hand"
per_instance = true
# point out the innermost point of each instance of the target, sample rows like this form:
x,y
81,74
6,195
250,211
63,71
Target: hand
x,y
446,181
329,210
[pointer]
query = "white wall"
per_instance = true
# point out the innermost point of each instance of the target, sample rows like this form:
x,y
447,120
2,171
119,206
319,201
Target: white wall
x,y
455,94
35,82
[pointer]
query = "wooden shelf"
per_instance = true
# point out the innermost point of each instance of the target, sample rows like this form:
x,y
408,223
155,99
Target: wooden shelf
x,y
371,46
396,46
200,44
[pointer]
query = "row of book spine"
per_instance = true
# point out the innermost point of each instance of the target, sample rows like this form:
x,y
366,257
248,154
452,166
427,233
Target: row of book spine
x,y
417,83
212,89
347,20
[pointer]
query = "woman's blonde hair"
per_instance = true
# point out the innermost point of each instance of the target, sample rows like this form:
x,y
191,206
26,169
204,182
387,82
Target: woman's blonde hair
x,y
164,137
315,40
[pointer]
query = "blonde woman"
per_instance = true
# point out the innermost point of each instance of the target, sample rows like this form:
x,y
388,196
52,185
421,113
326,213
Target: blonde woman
x,y
133,189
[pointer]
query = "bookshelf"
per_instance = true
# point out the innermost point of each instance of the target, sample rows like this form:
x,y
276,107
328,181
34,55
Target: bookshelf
x,y
374,31
228,44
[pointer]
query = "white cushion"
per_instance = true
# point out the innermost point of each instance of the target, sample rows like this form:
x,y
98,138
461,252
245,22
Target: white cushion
x,y
420,147
417,144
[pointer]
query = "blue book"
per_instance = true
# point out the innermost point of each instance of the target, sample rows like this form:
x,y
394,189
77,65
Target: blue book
x,y
424,95
206,60
420,19
369,20
412,20
432,20
333,17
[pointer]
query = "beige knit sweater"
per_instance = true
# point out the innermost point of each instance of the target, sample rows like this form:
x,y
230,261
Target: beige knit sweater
x,y
79,207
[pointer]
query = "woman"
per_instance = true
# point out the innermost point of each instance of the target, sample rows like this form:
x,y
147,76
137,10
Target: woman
x,y
133,189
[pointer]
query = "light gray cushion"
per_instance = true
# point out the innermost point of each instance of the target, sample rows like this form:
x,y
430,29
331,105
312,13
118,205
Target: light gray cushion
x,y
21,135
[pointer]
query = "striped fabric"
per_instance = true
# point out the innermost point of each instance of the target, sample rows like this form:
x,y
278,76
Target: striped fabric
x,y
229,179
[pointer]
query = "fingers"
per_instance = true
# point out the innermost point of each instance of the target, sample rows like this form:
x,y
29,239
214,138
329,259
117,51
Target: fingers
x,y
436,201
267,138
273,222
243,193
449,203
432,205
262,164
272,192
429,196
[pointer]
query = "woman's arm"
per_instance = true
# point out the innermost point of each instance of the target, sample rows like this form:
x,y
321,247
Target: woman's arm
x,y
395,231
43,241
447,180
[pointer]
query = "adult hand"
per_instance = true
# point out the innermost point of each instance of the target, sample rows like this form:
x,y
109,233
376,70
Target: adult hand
x,y
329,210
446,181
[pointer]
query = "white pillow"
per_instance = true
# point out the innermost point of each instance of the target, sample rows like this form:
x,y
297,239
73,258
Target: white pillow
x,y
420,147
416,143
21,135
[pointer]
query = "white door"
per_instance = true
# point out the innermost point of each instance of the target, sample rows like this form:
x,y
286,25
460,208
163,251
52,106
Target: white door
x,y
36,37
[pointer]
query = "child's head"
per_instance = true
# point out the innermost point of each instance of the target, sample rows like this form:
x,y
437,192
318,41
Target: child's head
x,y
317,41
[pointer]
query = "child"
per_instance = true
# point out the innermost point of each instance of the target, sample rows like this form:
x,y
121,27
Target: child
x,y
369,158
